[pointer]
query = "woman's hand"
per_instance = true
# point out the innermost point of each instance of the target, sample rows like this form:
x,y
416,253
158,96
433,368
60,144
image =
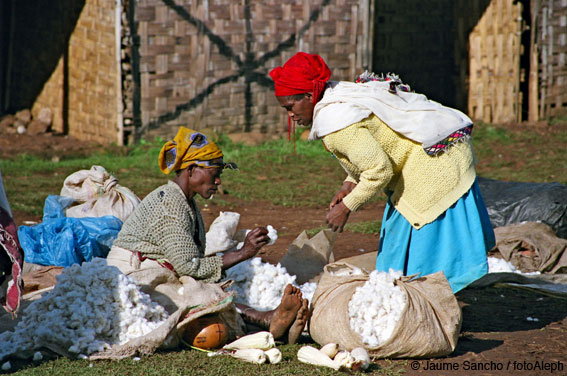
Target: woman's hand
x,y
346,188
338,216
255,240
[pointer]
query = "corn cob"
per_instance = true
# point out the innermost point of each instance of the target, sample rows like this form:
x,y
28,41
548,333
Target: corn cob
x,y
250,355
311,355
260,340
330,349
274,355
361,359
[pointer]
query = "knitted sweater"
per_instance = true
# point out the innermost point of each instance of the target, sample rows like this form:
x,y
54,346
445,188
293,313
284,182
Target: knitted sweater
x,y
163,227
376,158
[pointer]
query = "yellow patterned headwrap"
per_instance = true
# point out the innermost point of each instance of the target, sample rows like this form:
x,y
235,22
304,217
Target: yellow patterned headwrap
x,y
188,147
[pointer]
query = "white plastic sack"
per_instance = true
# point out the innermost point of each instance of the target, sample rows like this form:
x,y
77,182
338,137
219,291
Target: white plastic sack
x,y
98,194
221,233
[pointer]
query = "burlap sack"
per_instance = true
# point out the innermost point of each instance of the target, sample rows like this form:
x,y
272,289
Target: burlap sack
x,y
98,194
429,325
306,258
531,247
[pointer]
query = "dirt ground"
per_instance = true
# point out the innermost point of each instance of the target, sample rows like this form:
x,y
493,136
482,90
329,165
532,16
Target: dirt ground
x,y
505,331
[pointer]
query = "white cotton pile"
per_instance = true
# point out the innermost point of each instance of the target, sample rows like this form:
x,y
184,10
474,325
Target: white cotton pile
x,y
261,285
91,308
498,265
376,307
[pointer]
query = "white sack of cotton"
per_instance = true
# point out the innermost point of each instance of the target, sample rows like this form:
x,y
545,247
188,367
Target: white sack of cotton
x,y
91,308
221,232
390,315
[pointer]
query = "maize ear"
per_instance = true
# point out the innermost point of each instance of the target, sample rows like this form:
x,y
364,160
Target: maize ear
x,y
330,349
274,355
250,355
344,359
311,355
260,340
361,359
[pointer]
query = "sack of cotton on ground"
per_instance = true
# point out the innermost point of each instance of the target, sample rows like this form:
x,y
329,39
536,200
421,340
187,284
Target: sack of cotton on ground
x,y
389,315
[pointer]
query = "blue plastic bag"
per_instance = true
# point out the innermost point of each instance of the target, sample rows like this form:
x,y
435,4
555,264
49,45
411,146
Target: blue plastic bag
x,y
63,241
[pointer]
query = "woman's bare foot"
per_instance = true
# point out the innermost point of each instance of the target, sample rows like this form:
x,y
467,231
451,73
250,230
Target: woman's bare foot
x,y
298,325
286,313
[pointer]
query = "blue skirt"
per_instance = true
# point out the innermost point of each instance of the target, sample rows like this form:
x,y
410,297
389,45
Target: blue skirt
x,y
456,242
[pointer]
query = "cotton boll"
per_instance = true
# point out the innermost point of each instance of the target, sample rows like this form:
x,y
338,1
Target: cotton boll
x,y
272,234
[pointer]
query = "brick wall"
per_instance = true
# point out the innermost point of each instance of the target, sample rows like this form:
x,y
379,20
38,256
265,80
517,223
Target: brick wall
x,y
205,64
83,88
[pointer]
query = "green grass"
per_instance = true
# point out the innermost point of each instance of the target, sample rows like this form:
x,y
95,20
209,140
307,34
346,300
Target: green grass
x,y
522,153
191,362
267,172
272,172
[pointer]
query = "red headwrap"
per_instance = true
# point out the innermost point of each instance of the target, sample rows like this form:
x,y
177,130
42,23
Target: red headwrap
x,y
302,73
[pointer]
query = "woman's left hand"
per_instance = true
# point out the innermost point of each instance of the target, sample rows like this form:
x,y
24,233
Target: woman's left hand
x,y
338,216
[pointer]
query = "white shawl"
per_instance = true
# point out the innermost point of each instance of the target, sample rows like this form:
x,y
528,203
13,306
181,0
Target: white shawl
x,y
411,114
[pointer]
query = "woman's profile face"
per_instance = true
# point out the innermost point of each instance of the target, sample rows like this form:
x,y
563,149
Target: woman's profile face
x,y
299,109
205,181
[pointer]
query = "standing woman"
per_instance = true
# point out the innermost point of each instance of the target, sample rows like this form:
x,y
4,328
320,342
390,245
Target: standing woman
x,y
417,151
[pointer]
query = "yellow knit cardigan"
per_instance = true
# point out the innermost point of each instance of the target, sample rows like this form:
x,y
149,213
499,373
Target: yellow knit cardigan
x,y
422,187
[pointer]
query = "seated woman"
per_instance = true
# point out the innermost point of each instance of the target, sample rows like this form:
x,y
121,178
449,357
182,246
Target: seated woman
x,y
166,229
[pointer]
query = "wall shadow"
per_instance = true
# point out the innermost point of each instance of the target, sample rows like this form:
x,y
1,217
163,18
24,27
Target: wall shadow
x,y
426,44
40,37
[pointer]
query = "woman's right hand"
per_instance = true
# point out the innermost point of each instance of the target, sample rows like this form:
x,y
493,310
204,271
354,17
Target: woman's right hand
x,y
255,240
346,188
